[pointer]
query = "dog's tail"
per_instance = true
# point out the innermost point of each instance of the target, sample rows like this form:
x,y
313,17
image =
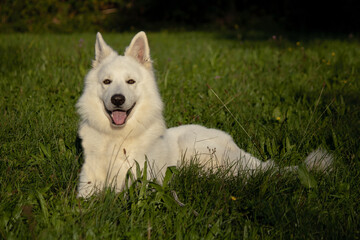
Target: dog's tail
x,y
320,160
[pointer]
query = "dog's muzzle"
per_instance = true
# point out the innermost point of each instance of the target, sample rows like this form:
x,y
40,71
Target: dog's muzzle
x,y
119,116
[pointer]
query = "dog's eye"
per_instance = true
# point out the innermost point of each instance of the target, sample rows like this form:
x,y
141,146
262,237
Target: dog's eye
x,y
130,81
107,81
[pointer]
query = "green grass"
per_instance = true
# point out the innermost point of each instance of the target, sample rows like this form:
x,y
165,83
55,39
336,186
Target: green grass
x,y
289,97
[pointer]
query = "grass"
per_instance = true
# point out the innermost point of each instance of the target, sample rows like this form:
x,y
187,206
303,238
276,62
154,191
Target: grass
x,y
289,96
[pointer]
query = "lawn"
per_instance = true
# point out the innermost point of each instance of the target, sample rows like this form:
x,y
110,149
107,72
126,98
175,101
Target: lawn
x,y
278,98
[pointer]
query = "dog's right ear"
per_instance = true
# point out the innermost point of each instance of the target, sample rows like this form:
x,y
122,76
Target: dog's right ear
x,y
139,50
102,50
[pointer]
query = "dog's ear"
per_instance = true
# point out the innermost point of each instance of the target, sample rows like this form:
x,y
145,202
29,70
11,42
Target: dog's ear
x,y
139,49
102,50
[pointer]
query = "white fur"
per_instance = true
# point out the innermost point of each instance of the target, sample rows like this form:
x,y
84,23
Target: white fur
x,y
110,151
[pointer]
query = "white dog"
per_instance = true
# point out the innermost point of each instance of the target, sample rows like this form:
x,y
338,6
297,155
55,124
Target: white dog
x,y
122,122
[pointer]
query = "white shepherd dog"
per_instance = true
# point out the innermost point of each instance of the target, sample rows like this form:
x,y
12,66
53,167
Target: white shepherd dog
x,y
122,122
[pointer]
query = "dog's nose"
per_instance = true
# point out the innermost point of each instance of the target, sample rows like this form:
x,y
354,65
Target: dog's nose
x,y
118,99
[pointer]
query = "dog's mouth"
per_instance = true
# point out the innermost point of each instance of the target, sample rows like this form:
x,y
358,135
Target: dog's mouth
x,y
119,117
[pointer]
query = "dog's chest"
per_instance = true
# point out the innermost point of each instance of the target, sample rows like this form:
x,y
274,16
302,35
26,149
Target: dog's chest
x,y
119,151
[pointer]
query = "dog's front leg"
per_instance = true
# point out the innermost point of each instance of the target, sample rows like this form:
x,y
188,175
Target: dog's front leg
x,y
90,181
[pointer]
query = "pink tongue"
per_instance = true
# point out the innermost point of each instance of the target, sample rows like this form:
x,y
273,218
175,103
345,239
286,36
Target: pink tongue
x,y
118,117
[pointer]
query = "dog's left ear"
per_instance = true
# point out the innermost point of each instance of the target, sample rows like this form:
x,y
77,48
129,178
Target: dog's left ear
x,y
139,49
102,50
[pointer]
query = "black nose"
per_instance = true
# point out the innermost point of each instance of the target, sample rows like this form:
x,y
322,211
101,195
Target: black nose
x,y
118,99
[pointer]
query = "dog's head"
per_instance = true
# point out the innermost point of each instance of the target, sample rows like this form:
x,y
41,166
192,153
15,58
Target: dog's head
x,y
122,85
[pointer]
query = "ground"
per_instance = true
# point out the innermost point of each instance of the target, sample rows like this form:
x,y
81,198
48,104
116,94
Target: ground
x,y
278,98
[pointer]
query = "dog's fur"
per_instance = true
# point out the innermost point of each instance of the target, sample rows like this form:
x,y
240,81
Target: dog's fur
x,y
122,122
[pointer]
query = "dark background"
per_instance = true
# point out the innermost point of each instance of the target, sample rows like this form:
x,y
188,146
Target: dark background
x,y
335,17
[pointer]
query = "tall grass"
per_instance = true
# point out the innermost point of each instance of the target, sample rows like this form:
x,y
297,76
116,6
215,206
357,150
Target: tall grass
x,y
289,97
